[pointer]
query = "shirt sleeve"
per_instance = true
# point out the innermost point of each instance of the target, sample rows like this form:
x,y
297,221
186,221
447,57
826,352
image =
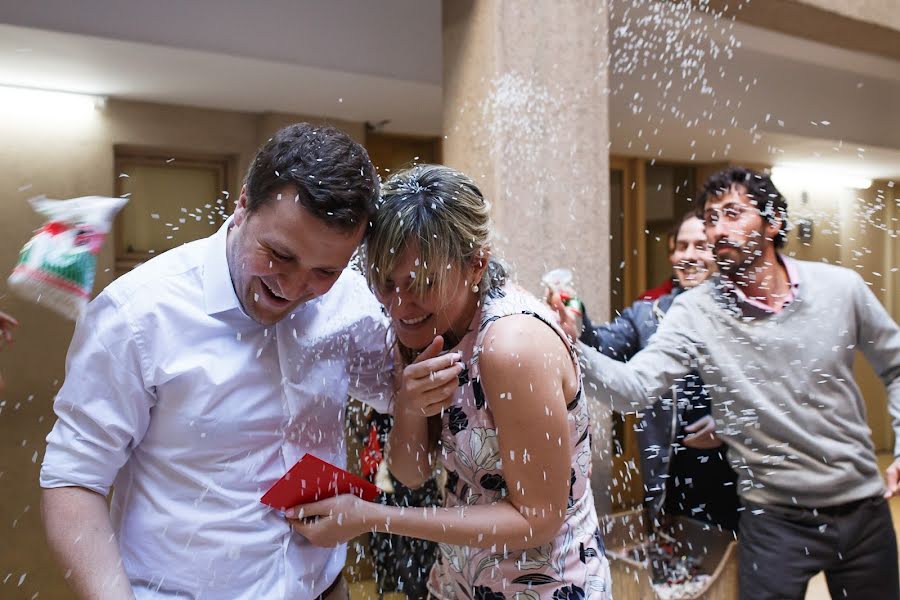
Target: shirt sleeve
x,y
620,338
634,385
370,364
879,341
103,408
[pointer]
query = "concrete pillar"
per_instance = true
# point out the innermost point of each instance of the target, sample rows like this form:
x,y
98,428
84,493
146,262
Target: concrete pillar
x,y
525,115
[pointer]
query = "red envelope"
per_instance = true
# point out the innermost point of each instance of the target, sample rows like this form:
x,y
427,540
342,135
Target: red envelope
x,y
313,479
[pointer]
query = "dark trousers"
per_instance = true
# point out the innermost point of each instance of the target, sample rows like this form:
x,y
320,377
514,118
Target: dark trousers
x,y
782,547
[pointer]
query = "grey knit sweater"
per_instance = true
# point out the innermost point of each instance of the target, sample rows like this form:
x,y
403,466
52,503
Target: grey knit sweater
x,y
782,388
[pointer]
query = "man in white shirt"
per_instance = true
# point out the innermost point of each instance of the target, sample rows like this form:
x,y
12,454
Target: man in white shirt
x,y
198,379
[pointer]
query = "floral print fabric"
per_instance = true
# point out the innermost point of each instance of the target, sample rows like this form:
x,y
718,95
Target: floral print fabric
x,y
571,567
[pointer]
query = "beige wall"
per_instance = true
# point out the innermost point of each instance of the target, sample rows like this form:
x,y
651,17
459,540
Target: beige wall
x,y
65,156
869,248
269,123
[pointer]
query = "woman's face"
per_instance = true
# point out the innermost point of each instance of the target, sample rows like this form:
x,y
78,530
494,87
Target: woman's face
x,y
418,319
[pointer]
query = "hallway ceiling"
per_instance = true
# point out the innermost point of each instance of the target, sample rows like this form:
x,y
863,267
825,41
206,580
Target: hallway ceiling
x,y
687,87
347,59
767,97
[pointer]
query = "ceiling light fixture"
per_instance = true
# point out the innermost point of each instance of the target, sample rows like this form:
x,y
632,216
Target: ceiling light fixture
x,y
807,176
48,104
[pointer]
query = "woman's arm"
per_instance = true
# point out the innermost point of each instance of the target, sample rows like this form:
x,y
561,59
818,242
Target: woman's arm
x,y
527,374
424,389
496,526
408,454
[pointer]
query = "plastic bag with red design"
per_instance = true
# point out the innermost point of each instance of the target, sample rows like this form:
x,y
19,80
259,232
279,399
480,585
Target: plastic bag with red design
x,y
56,267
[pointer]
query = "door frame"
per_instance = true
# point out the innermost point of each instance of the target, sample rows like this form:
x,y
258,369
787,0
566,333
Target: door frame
x,y
634,226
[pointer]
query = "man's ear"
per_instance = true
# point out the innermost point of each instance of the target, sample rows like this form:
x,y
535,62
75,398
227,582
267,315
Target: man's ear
x,y
240,209
773,228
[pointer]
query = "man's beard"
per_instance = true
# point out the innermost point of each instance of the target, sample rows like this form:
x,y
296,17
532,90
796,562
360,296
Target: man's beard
x,y
749,255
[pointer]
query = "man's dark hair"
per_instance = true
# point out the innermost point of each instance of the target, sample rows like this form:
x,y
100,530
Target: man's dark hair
x,y
334,177
758,187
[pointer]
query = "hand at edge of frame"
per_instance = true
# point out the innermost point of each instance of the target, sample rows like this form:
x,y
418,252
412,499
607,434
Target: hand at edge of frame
x,y
892,475
702,434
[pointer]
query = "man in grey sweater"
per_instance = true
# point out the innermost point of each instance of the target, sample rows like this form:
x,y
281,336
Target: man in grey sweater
x,y
774,340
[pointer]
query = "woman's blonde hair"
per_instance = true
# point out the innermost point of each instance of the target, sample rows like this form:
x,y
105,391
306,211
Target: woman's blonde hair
x,y
445,214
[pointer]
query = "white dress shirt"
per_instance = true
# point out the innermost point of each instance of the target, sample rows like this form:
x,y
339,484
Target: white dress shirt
x,y
192,410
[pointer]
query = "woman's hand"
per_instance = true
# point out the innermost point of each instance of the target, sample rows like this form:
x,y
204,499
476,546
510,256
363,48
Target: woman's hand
x,y
427,386
333,521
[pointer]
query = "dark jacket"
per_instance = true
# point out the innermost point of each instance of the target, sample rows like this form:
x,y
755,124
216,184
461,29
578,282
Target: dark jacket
x,y
698,483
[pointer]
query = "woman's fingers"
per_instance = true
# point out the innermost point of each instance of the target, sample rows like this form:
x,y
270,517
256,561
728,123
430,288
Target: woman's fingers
x,y
433,349
434,400
433,379
312,509
441,395
437,407
429,384
421,370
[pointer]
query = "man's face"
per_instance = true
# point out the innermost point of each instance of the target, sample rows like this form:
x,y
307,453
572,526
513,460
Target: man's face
x,y
281,256
738,233
691,257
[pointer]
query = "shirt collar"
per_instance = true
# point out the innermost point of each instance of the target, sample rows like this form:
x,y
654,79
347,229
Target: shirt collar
x,y
218,290
750,307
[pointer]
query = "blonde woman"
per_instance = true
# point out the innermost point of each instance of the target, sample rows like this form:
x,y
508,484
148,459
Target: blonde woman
x,y
507,417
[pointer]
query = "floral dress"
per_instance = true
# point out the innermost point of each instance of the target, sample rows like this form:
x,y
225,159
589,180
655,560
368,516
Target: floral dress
x,y
573,565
